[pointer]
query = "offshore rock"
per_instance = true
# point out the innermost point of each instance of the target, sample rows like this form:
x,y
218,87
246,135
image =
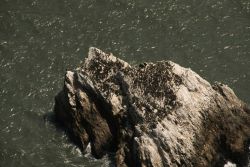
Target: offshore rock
x,y
152,115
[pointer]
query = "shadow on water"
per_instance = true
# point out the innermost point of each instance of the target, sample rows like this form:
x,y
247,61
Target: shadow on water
x,y
51,118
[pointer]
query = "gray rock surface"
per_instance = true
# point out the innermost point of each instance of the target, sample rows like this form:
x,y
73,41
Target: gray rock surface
x,y
154,114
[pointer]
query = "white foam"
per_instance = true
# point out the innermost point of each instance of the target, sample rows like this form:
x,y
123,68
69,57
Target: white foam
x,y
230,164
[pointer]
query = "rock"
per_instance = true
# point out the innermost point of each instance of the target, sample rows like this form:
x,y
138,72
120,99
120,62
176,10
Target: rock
x,y
154,114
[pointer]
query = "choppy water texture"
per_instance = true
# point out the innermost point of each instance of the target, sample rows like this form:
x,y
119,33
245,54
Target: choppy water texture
x,y
40,39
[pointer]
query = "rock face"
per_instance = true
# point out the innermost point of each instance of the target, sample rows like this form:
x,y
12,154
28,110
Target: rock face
x,y
154,114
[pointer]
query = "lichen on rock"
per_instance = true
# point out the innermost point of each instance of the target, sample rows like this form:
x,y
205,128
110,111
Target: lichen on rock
x,y
153,114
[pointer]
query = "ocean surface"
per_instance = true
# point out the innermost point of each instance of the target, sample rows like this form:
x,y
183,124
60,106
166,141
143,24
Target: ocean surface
x,y
40,39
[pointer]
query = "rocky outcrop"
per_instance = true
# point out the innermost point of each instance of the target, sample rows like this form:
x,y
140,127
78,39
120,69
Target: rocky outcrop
x,y
153,114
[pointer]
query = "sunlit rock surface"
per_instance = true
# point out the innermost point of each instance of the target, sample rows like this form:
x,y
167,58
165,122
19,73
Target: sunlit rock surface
x,y
153,114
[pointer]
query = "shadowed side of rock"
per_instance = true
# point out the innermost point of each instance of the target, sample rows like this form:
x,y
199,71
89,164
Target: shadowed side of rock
x,y
154,114
78,108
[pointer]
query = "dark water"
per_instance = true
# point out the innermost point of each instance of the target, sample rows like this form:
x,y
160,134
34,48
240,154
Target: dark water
x,y
40,39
